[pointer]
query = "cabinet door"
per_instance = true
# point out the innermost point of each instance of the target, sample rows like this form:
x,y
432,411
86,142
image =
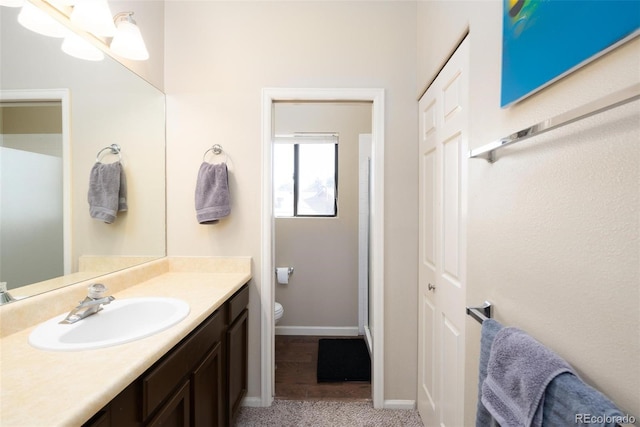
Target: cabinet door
x,y
176,413
237,353
206,389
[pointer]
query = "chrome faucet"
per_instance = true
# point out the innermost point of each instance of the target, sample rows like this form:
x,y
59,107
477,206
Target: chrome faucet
x,y
5,296
90,305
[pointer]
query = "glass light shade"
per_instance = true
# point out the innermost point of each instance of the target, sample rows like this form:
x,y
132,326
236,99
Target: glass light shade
x,y
128,42
94,16
12,3
78,47
37,20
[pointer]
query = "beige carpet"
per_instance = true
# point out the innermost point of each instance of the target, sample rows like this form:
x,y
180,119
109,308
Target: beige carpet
x,y
297,413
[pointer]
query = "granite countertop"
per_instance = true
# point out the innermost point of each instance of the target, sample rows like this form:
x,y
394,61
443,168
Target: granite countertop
x,y
50,388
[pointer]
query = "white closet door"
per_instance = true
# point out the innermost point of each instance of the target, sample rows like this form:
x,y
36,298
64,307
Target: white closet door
x,y
442,252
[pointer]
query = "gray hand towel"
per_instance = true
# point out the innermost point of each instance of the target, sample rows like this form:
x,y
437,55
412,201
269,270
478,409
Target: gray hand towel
x,y
212,193
518,372
106,184
122,192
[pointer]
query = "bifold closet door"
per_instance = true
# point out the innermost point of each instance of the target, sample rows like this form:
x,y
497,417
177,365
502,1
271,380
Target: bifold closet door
x,y
442,243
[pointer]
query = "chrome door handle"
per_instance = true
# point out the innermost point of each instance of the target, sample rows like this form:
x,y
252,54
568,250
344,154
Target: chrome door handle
x,y
431,287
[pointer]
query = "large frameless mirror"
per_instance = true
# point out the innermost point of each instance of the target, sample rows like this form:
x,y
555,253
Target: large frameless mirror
x,y
57,113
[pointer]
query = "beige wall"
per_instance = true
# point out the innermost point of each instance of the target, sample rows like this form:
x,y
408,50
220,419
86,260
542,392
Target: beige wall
x,y
219,55
553,224
323,292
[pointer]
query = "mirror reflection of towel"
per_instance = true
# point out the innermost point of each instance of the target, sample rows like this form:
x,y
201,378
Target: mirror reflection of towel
x,y
212,193
107,191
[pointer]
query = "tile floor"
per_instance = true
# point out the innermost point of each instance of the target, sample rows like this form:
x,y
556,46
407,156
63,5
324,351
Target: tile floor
x,y
296,362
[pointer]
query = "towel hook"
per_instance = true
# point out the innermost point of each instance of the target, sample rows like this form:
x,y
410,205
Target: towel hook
x,y
114,148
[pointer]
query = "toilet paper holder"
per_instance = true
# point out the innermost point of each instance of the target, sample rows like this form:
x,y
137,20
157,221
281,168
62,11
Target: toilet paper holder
x,y
289,270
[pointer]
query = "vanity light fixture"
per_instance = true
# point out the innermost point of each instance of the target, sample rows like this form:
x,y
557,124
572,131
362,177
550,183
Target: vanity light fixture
x,y
93,16
127,41
37,20
62,5
12,3
78,47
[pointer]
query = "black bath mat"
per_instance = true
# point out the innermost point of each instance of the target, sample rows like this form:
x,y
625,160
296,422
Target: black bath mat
x,y
343,359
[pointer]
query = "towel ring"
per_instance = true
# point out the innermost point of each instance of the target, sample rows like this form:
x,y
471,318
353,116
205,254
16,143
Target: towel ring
x,y
114,148
217,150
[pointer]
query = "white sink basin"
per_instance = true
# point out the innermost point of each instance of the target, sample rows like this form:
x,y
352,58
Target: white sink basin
x,y
119,322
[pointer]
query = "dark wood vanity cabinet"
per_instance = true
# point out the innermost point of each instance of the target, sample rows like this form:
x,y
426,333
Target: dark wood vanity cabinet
x,y
200,382
236,354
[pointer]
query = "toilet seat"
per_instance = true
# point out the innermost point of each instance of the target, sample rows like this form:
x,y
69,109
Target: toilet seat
x,y
278,310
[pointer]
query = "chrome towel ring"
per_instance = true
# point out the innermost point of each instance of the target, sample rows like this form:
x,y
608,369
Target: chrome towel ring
x,y
113,148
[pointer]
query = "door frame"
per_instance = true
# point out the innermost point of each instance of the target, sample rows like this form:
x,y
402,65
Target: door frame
x,y
267,288
63,96
364,154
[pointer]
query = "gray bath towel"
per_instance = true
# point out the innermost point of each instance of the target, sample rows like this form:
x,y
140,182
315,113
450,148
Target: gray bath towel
x,y
107,191
212,193
567,400
570,402
518,372
490,328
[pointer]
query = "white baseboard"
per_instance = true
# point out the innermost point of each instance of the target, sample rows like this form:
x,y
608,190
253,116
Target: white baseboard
x,y
400,404
334,331
256,402
252,402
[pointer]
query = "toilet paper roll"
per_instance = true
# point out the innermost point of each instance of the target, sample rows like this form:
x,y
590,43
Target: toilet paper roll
x,y
282,274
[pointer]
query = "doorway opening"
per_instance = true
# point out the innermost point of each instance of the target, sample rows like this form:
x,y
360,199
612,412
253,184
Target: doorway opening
x,y
376,237
319,190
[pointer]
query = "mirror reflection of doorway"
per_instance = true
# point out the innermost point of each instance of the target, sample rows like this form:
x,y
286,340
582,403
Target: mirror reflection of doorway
x,y
32,214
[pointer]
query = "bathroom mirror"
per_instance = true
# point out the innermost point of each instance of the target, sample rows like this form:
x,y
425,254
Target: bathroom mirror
x,y
63,111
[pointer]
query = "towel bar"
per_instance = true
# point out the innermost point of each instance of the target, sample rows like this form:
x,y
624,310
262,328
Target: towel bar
x,y
481,313
608,102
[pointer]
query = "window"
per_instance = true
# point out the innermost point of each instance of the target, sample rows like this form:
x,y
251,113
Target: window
x,y
305,177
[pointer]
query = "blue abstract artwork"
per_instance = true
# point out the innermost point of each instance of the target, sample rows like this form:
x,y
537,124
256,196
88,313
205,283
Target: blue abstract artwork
x,y
543,40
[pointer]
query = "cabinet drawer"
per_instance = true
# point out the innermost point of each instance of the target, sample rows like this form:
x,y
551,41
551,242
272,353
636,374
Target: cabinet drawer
x,y
165,376
237,303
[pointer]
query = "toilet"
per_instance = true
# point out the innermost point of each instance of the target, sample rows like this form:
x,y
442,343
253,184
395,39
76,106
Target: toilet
x,y
278,311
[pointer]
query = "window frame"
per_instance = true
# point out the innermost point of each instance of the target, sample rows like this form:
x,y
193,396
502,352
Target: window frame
x,y
296,184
